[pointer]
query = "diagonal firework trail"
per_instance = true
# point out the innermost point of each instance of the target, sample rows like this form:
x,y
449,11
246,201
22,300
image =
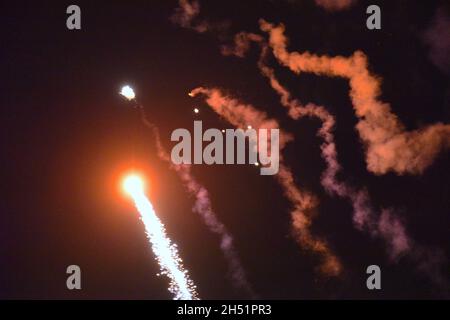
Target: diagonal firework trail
x,y
171,265
203,207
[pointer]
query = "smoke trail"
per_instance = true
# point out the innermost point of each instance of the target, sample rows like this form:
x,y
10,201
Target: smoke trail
x,y
335,5
304,204
203,207
385,226
437,38
389,146
171,265
186,16
186,13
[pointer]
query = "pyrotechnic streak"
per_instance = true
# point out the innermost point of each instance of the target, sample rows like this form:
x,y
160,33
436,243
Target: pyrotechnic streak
x,y
203,208
171,265
304,204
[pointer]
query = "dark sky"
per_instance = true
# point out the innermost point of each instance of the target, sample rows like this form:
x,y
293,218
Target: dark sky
x,y
67,137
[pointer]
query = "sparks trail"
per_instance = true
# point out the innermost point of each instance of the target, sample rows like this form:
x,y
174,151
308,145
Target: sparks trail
x,y
171,265
304,204
203,207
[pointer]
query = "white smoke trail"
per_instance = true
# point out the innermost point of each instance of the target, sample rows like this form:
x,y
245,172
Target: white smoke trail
x,y
171,265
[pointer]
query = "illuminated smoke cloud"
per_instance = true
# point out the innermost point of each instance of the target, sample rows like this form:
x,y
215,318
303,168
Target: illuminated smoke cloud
x,y
304,205
386,225
203,207
335,5
242,42
185,15
389,146
363,215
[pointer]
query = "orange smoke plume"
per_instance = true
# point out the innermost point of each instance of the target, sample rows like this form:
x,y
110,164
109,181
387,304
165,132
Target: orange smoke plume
x,y
185,15
304,204
389,147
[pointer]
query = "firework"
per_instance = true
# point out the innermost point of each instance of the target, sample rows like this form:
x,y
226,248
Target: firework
x,y
171,265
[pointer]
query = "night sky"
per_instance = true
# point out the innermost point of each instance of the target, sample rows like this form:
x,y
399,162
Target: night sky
x,y
68,137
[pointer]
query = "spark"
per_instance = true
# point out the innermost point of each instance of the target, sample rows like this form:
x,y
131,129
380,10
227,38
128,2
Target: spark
x,y
249,127
171,265
128,93
256,164
196,110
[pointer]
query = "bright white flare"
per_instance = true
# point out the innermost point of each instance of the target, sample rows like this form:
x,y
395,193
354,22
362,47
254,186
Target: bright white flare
x,y
128,92
133,184
171,265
